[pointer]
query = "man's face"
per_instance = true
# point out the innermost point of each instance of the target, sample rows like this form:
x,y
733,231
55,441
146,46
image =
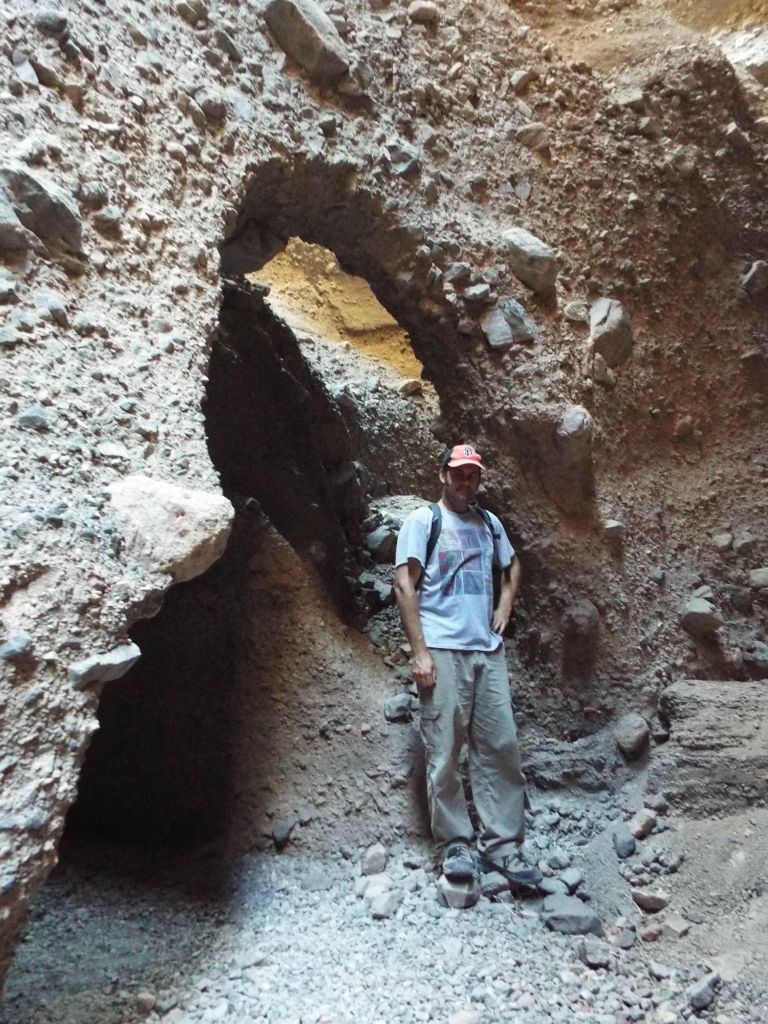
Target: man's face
x,y
460,485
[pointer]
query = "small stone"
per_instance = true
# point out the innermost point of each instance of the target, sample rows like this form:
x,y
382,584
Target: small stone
x,y
737,139
145,1001
611,331
631,734
567,914
374,860
699,617
651,902
477,294
534,136
532,261
108,221
398,708
576,312
758,578
650,932
657,802
459,895
625,938
402,157
16,646
35,417
722,541
643,823
281,832
520,80
423,12
466,1017
675,927
572,878
104,668
623,842
411,387
702,993
507,323
308,35
44,208
385,905
9,336
51,21
614,529
594,953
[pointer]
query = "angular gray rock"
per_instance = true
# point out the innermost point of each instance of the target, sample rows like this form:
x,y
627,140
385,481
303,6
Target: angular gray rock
x,y
507,323
624,842
103,668
643,823
459,895
385,904
308,35
531,260
651,901
631,734
534,136
398,708
699,617
567,914
46,210
423,12
702,993
402,156
51,21
594,953
382,542
374,860
611,331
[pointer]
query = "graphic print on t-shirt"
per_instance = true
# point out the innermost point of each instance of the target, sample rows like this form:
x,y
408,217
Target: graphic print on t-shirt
x,y
464,566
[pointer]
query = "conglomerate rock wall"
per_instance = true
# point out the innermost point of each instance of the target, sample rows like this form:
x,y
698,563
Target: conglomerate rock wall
x,y
609,357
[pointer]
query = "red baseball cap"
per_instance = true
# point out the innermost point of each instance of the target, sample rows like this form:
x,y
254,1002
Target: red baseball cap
x,y
462,455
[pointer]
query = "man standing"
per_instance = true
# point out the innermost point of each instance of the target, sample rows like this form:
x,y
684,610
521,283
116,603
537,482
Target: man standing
x,y
444,591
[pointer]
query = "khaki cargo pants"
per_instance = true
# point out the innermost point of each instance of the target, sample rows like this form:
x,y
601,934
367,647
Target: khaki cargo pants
x,y
471,702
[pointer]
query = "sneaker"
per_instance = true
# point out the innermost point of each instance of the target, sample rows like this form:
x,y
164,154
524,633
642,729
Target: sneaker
x,y
515,870
458,865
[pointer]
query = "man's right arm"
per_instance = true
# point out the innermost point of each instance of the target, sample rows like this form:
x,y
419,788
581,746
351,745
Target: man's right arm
x,y
406,579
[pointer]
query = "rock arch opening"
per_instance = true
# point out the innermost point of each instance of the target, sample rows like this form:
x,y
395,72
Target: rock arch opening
x,y
255,677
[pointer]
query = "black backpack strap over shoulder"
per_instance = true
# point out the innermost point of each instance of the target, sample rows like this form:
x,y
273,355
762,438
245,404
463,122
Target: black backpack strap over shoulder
x,y
434,533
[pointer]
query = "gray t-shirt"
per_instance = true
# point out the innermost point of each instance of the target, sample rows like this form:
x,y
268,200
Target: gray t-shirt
x,y
456,593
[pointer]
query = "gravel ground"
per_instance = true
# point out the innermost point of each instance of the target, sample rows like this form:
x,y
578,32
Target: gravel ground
x,y
119,936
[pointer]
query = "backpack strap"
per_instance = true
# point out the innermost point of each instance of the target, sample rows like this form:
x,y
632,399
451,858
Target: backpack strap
x,y
486,516
434,533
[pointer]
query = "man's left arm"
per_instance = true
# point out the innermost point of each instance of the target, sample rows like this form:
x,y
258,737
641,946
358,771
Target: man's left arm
x,y
508,590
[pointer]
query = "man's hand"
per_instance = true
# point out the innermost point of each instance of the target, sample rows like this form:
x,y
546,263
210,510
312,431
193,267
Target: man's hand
x,y
499,621
424,673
